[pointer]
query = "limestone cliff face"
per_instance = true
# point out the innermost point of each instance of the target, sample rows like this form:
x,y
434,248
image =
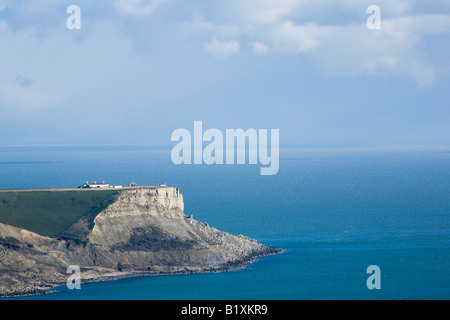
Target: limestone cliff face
x,y
143,232
137,208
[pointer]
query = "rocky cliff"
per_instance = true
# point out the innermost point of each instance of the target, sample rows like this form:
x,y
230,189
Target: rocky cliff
x,y
143,232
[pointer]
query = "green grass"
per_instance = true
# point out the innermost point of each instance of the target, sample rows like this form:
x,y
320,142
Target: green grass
x,y
50,213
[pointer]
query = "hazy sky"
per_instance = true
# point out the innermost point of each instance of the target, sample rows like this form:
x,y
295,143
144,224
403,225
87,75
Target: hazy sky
x,y
139,69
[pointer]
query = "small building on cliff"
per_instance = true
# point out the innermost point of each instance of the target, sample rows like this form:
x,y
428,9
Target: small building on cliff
x,y
96,184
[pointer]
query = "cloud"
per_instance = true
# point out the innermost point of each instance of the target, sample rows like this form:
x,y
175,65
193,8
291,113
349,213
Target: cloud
x,y
388,7
137,7
266,11
346,47
223,49
288,37
2,5
274,11
259,47
353,49
199,25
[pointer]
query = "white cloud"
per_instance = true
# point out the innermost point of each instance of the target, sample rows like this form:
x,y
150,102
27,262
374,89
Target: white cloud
x,y
389,7
295,38
266,11
137,7
345,48
223,49
352,49
398,48
2,5
259,47
418,25
199,25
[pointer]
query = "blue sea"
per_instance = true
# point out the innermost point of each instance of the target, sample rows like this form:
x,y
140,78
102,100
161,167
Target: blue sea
x,y
334,211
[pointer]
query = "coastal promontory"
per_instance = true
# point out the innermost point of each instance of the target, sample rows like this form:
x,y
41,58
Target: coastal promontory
x,y
108,235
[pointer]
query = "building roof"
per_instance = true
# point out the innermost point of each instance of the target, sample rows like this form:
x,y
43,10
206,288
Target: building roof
x,y
91,183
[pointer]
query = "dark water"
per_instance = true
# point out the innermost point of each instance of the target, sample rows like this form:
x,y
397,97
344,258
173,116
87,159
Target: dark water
x,y
334,211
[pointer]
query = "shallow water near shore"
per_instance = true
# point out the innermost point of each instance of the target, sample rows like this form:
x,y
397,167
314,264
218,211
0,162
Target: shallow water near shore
x,y
334,212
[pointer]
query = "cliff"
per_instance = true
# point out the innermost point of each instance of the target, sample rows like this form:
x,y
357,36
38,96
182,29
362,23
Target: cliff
x,y
144,231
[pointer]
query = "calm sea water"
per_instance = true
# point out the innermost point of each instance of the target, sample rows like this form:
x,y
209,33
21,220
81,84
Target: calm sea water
x,y
334,211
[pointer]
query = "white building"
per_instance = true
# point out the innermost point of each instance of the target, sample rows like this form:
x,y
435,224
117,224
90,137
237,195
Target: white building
x,y
96,184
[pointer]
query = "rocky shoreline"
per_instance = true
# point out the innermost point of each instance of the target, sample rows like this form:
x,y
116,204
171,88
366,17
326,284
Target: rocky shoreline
x,y
49,288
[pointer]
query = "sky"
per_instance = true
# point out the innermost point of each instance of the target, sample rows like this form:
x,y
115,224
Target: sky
x,y
137,70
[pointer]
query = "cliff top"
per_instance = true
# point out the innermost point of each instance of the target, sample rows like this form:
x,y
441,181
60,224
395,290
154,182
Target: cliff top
x,y
50,212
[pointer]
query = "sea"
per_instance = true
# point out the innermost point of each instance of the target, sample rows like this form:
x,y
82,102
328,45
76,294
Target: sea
x,y
335,211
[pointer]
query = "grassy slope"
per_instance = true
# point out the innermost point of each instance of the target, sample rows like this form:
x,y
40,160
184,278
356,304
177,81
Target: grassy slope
x,y
51,212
